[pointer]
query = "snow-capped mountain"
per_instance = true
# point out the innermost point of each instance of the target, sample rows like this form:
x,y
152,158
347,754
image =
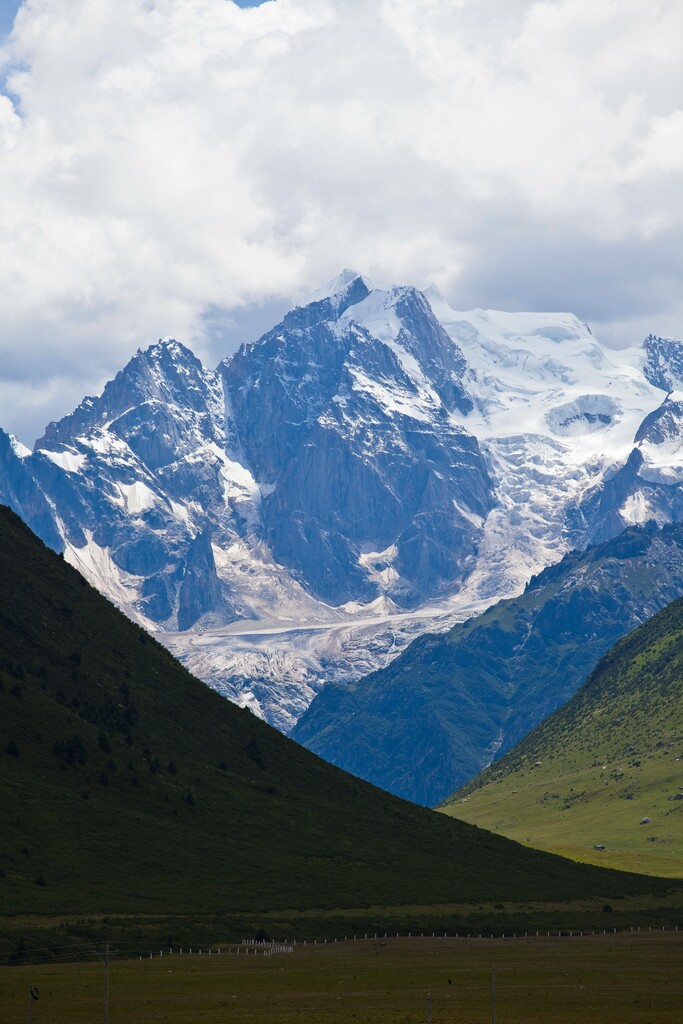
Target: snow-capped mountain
x,y
376,465
373,486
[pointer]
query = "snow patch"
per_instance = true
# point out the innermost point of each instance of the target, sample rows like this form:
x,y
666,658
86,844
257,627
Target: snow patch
x,y
394,399
377,314
96,564
238,483
636,509
476,520
378,565
182,514
138,497
19,449
248,699
71,462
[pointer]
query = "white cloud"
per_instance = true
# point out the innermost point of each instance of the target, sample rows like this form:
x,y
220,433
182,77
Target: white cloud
x,y
162,158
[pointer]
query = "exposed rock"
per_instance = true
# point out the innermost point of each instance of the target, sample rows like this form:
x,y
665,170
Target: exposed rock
x,y
200,590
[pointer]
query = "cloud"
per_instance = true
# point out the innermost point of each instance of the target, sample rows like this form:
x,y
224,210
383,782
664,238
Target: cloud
x,y
175,166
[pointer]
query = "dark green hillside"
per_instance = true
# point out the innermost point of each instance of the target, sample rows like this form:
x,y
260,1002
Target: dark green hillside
x,y
593,771
434,717
127,786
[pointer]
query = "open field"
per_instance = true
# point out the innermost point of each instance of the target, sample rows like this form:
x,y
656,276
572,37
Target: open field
x,y
31,937
627,978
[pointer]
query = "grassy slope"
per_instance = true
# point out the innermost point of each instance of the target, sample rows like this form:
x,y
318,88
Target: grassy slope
x,y
609,758
127,786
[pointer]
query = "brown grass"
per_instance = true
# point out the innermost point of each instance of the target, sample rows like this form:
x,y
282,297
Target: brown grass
x,y
624,979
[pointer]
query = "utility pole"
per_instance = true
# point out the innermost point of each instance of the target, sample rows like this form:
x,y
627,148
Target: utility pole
x,y
33,994
493,994
106,983
429,1008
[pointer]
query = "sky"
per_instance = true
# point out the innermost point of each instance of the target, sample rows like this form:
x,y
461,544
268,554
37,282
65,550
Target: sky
x,y
195,167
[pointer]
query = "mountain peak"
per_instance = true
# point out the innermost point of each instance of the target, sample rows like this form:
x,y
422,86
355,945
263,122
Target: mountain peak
x,y
167,345
166,371
165,353
339,285
19,449
432,294
374,444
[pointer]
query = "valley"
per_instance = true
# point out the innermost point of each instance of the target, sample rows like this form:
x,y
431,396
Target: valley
x,y
600,780
138,803
341,610
443,709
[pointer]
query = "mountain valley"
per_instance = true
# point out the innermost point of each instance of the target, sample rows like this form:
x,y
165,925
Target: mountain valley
x,y
134,795
600,780
441,711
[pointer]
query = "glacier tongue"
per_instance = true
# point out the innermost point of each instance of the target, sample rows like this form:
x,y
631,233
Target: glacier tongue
x,y
277,669
376,466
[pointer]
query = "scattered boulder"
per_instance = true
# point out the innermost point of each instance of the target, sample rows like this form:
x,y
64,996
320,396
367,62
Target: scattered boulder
x,y
599,846
645,821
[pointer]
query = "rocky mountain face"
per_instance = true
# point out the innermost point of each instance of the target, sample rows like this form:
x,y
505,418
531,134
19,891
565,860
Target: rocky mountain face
x,y
21,492
376,465
123,474
441,711
371,487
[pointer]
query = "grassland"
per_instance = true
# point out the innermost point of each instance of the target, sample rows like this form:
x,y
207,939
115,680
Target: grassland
x,y
606,770
622,979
